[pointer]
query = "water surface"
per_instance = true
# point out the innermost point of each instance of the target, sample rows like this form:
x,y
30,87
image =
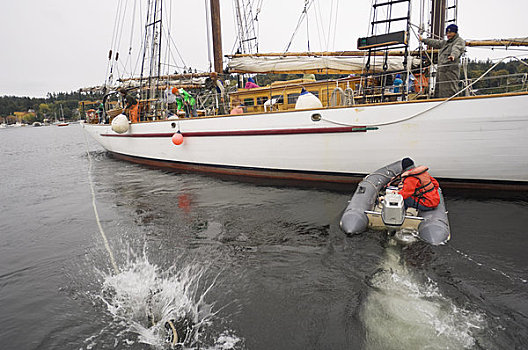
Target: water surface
x,y
252,265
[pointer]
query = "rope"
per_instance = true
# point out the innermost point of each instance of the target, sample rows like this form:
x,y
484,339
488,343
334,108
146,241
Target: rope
x,y
494,269
430,108
173,329
103,235
304,13
175,338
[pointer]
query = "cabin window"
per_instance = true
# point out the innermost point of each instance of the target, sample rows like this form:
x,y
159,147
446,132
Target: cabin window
x,y
262,100
249,102
278,98
292,98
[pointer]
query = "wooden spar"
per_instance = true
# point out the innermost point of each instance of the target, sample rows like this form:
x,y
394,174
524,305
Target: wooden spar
x,y
319,54
212,75
305,71
500,42
217,36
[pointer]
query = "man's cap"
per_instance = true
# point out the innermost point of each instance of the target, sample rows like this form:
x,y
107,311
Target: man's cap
x,y
407,163
452,28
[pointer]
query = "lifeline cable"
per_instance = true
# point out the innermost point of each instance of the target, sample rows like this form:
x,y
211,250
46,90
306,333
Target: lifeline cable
x,y
430,108
105,240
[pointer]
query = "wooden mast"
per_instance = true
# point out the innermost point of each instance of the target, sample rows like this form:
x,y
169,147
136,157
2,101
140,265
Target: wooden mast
x,y
438,10
217,36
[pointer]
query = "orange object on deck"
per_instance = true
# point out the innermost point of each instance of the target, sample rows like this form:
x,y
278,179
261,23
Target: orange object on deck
x,y
421,83
134,113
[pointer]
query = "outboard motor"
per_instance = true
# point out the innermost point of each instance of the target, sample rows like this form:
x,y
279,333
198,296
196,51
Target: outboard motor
x,y
393,211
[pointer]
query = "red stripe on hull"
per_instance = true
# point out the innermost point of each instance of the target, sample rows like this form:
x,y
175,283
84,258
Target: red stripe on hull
x,y
252,132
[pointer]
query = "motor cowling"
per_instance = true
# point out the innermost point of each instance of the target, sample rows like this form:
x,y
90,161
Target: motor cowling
x,y
393,209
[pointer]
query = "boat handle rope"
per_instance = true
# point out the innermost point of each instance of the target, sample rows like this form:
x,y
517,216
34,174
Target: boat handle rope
x,y
430,108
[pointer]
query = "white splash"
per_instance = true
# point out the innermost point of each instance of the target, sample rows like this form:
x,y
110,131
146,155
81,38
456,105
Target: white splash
x,y
144,298
403,313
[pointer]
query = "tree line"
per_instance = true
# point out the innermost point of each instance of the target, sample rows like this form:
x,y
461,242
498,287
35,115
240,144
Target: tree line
x,y
54,105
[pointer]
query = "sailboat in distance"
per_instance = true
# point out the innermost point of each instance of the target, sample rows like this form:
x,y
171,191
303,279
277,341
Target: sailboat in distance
x,y
62,121
333,130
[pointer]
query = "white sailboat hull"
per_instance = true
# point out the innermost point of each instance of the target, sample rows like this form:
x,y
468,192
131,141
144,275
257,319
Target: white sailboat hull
x,y
475,139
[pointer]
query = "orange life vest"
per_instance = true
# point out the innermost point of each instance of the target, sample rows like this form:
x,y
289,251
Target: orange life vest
x,y
426,185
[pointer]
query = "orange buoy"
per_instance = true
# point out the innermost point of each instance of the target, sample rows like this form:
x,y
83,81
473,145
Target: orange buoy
x,y
177,138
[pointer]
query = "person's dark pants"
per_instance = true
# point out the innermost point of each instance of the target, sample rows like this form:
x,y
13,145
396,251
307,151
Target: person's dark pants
x,y
413,203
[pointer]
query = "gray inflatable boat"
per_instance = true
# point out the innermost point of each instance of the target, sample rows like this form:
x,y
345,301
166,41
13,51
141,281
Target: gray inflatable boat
x,y
379,206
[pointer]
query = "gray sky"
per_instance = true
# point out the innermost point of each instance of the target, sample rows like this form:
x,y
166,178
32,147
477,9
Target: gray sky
x,y
62,45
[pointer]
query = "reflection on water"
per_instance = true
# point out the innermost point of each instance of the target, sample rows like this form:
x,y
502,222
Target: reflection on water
x,y
406,310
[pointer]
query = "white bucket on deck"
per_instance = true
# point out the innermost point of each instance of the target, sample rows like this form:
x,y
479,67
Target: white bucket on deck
x,y
120,124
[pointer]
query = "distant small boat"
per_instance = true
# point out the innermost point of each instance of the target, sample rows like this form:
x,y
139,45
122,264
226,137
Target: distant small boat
x,y
36,124
62,122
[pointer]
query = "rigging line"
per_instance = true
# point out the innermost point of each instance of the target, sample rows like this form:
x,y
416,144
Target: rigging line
x,y
320,27
235,23
138,57
308,32
167,30
121,28
178,51
430,108
109,66
208,17
335,24
90,180
132,29
257,31
330,25
116,21
307,5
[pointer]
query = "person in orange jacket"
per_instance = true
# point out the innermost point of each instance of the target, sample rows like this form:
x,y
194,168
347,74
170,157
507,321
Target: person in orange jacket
x,y
418,189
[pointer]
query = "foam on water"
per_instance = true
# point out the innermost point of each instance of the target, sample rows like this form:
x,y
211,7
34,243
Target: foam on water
x,y
404,312
143,297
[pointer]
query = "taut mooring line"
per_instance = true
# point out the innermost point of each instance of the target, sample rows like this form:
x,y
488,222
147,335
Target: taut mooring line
x,y
105,240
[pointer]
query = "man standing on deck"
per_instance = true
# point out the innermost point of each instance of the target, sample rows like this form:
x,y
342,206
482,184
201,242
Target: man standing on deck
x,y
448,72
131,105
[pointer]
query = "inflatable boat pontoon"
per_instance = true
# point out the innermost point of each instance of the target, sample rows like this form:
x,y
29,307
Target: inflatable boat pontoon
x,y
377,205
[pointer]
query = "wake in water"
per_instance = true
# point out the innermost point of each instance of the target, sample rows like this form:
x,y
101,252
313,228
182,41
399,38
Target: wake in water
x,y
156,304
403,312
